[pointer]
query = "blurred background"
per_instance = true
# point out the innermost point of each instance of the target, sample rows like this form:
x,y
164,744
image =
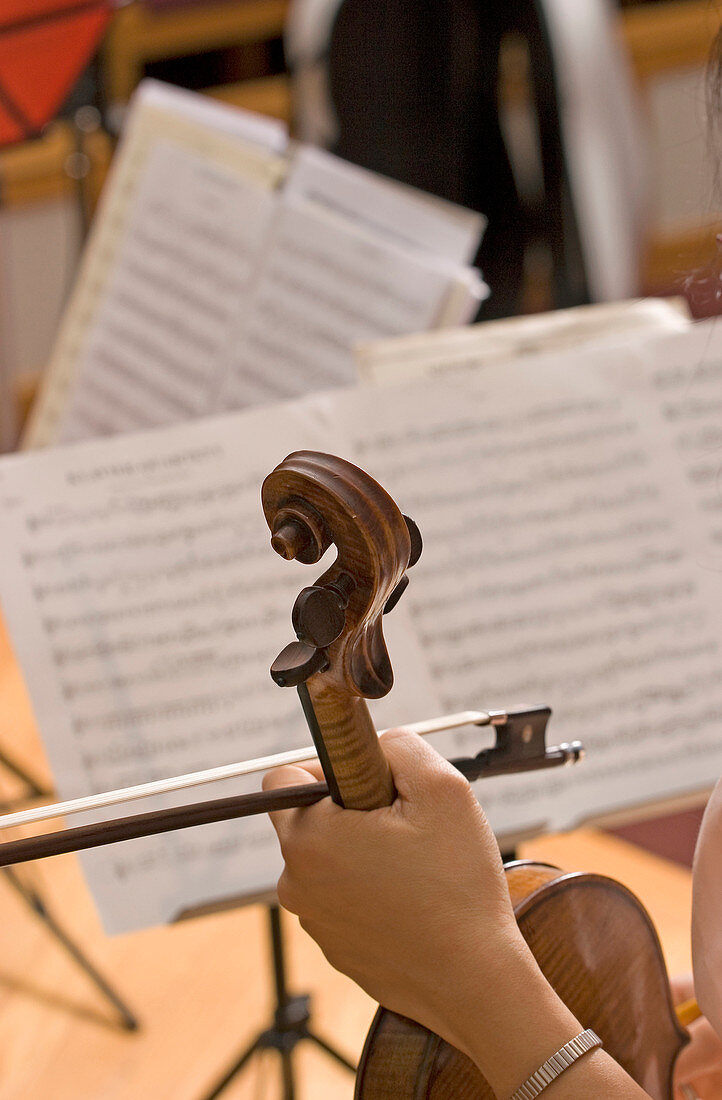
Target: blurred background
x,y
578,128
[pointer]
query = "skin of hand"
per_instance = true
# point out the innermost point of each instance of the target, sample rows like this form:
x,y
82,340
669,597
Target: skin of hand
x,y
398,914
411,902
700,1063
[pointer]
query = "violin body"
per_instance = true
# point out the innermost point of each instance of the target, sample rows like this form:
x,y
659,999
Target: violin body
x,y
596,945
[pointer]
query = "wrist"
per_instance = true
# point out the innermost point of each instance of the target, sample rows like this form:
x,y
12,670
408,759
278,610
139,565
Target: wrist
x,y
508,1019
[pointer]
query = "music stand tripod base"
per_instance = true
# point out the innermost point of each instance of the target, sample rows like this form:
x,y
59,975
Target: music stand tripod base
x,y
290,1025
38,906
126,1018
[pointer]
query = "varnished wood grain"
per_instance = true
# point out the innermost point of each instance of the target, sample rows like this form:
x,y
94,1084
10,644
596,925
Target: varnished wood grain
x,y
310,501
664,888
597,946
352,744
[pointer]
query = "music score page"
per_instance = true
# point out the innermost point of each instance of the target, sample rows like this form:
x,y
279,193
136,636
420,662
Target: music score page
x,y
208,285
220,161
572,519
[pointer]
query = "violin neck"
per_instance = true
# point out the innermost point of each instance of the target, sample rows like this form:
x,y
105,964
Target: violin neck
x,y
355,767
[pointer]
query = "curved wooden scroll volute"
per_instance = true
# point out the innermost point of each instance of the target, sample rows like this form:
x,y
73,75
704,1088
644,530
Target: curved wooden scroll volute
x,y
310,501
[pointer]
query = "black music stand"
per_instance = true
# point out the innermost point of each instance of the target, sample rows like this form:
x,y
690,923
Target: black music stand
x,y
34,786
39,907
127,1020
291,1019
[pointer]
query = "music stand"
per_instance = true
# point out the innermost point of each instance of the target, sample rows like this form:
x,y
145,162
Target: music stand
x,y
42,54
291,1015
128,1020
37,904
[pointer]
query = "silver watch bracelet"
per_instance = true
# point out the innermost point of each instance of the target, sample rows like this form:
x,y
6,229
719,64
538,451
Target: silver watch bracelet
x,y
555,1066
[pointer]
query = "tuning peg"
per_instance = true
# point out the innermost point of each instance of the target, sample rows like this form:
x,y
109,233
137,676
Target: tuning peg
x,y
396,594
417,543
318,615
299,532
297,663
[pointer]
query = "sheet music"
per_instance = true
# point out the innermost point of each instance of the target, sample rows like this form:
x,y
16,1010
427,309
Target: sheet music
x,y
573,551
155,352
388,208
433,354
324,284
146,607
270,134
152,125
687,382
163,321
570,509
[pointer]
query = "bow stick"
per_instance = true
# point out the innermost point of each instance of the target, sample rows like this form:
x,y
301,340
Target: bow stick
x,y
520,747
224,771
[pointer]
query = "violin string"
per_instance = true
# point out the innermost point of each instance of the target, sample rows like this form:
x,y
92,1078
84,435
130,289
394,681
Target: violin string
x,y
224,771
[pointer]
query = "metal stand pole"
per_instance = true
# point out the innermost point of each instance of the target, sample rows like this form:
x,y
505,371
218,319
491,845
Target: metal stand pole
x,y
38,906
35,789
290,1024
127,1019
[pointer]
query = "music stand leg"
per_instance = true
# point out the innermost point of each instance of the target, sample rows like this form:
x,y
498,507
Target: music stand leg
x,y
33,786
290,1025
128,1020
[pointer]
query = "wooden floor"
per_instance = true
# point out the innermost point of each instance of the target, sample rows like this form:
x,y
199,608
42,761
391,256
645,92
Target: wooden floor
x,y
203,988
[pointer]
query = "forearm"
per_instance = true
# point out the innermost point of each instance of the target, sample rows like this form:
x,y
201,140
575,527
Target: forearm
x,y
522,1022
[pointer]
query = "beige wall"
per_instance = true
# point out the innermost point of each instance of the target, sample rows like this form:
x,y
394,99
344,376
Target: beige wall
x,y
39,245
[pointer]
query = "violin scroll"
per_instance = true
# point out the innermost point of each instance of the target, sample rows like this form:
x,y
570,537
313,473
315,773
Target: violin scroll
x,y
339,659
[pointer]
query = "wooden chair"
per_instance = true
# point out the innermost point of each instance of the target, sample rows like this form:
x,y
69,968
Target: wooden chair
x,y
141,34
670,45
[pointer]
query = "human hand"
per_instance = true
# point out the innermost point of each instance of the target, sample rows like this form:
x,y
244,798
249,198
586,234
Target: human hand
x,y
409,900
699,1066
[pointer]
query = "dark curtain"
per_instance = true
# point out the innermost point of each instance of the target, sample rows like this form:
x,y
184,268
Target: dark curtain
x,y
414,85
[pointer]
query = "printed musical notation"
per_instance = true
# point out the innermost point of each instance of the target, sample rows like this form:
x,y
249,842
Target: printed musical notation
x,y
322,287
570,507
155,350
571,514
221,274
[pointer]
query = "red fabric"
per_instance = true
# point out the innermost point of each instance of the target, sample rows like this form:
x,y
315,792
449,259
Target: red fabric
x,y
10,131
673,836
44,47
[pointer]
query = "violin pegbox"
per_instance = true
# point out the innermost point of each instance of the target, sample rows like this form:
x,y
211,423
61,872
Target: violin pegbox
x,y
310,501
